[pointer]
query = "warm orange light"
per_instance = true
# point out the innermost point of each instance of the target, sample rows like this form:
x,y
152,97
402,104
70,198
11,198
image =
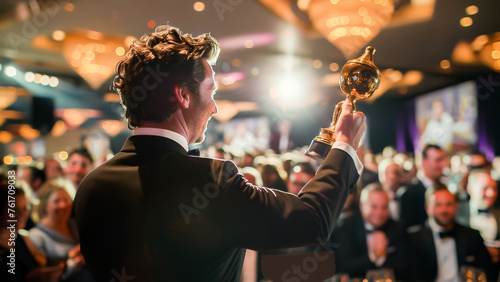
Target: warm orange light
x,y
63,155
112,127
350,24
151,24
249,43
471,10
466,21
58,35
92,55
236,62
58,129
317,64
445,64
334,67
74,118
69,7
120,51
495,54
8,160
6,137
28,133
199,6
28,159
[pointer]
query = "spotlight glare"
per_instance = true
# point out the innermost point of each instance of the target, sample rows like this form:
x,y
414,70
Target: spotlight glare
x,y
10,71
53,81
29,76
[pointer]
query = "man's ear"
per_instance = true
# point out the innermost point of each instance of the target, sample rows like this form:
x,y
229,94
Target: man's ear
x,y
182,95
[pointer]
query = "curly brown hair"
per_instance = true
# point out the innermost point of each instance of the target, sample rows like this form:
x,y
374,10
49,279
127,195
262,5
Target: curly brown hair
x,y
154,65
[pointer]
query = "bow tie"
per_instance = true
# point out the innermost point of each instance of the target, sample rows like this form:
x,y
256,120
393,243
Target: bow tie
x,y
445,234
485,211
194,152
370,231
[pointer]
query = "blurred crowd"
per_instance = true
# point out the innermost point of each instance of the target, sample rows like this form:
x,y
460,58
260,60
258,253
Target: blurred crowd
x,y
426,217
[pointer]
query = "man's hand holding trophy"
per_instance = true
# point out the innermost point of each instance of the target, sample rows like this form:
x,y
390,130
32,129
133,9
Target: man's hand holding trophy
x,y
359,79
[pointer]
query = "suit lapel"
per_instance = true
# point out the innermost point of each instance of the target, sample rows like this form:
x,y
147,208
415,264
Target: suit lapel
x,y
460,245
496,214
430,248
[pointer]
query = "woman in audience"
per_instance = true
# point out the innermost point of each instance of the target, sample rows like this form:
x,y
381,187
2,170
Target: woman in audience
x,y
29,264
56,235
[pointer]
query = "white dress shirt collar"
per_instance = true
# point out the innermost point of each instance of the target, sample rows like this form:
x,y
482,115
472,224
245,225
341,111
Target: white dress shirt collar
x,y
174,136
427,182
446,254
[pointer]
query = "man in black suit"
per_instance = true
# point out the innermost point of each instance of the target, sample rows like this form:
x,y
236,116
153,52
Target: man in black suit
x,y
154,213
440,247
412,197
371,240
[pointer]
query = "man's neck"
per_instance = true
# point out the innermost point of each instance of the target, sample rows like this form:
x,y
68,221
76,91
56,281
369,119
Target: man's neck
x,y
438,227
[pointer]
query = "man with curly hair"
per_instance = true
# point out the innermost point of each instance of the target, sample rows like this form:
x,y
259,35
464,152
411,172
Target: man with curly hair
x,y
155,213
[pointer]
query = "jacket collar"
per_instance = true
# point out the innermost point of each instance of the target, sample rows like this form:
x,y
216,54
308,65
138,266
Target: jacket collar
x,y
150,143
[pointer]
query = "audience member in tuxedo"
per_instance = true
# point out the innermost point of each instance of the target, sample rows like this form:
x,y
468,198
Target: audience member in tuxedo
x,y
156,213
441,246
412,196
29,263
474,160
370,239
484,215
56,235
391,178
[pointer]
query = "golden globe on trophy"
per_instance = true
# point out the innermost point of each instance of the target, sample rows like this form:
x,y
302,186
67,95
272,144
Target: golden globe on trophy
x,y
359,79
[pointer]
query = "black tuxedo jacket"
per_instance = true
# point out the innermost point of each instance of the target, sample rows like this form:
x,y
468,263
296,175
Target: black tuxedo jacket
x,y
156,214
352,254
469,245
412,203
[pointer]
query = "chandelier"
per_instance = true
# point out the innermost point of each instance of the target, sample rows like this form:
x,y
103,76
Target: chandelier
x,y
350,24
93,55
347,24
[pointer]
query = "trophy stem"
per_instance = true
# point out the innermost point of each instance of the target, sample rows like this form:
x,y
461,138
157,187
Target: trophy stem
x,y
322,143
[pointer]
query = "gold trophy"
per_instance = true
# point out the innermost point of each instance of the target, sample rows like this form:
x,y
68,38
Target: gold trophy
x,y
359,79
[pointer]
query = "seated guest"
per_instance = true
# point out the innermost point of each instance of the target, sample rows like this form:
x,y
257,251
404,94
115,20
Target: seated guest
x,y
441,247
34,178
370,239
412,196
52,169
299,176
484,216
56,235
29,264
80,163
272,178
391,179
